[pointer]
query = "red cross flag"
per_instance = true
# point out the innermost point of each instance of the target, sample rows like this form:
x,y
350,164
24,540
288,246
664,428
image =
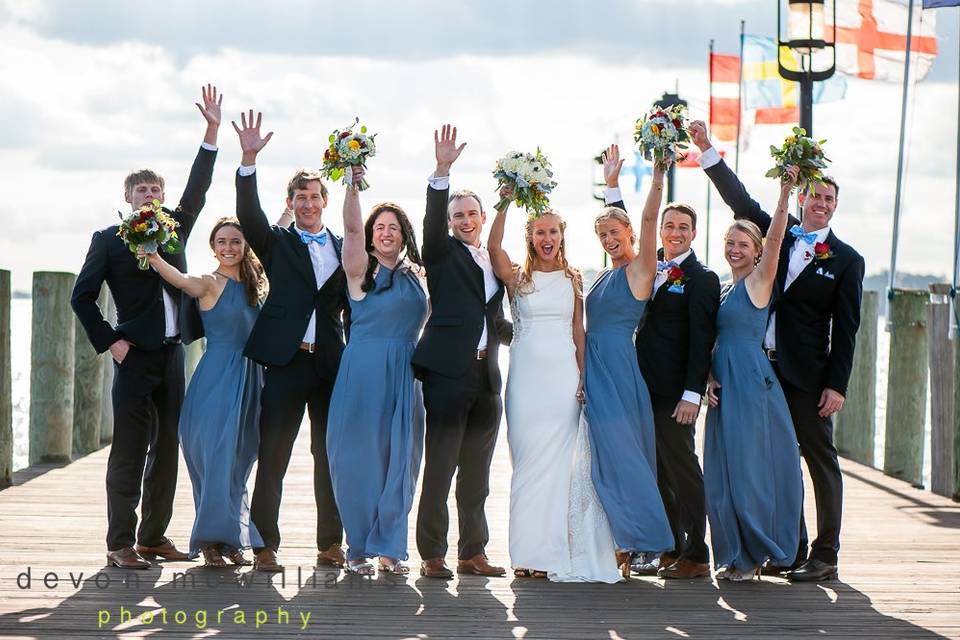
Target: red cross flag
x,y
872,39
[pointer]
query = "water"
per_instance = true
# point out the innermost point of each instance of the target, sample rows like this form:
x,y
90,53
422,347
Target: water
x,y
20,359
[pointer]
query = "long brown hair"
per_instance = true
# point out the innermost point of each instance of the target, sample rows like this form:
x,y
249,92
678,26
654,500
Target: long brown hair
x,y
408,247
251,271
525,274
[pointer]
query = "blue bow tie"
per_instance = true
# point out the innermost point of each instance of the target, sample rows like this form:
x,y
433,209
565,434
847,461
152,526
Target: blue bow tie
x,y
797,232
319,238
663,265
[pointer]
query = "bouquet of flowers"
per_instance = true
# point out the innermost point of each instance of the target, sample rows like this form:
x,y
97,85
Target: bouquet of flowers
x,y
660,132
530,177
348,148
151,228
803,152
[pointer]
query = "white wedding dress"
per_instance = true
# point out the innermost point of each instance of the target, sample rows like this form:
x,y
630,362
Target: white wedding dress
x,y
557,524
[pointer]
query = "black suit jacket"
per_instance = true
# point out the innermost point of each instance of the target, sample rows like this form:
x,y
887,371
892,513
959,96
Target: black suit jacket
x,y
137,294
283,319
676,336
819,314
459,308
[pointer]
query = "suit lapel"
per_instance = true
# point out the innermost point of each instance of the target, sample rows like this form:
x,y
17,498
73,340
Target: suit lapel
x,y
476,272
303,263
813,264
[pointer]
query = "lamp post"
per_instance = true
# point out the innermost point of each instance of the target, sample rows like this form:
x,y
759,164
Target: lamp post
x,y
806,34
665,102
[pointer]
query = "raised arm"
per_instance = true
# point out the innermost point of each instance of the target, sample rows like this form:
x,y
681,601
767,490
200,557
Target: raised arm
x,y
285,219
727,183
435,220
201,173
256,227
354,254
643,268
760,281
196,287
502,265
612,164
579,332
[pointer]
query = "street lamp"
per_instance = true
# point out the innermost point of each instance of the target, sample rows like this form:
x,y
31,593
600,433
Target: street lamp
x,y
667,101
806,35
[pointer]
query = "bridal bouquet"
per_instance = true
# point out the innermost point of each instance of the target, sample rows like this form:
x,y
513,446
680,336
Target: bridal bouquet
x,y
348,148
151,228
800,151
661,132
530,178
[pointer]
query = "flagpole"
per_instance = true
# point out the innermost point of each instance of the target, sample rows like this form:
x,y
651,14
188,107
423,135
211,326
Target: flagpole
x,y
709,122
903,127
736,161
956,229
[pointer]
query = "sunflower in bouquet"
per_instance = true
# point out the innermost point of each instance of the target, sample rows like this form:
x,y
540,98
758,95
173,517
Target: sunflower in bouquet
x,y
800,151
151,228
530,177
348,148
661,132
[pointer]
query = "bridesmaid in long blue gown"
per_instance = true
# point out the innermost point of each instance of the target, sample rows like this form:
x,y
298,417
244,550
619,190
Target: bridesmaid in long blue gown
x,y
219,419
618,408
751,461
375,428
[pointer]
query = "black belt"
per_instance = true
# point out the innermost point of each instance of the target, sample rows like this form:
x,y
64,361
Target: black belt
x,y
171,340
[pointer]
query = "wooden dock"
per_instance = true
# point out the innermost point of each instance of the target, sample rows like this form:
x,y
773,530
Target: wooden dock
x,y
899,578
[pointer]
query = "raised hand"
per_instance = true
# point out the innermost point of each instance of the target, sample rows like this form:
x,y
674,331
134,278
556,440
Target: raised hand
x,y
789,179
251,142
211,105
447,151
356,176
612,164
697,129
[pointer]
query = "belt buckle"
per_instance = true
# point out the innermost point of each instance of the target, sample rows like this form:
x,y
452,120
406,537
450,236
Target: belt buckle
x,y
481,354
312,347
771,354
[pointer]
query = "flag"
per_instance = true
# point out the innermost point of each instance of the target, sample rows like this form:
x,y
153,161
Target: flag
x,y
724,96
935,4
775,99
872,38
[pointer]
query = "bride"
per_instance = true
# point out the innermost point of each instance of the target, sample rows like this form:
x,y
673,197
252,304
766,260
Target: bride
x,y
558,529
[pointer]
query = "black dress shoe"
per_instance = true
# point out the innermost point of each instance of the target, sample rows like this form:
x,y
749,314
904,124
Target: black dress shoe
x,y
813,571
770,569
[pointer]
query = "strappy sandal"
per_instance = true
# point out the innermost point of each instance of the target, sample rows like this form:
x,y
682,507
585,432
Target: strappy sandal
x,y
360,568
212,558
395,567
236,557
529,573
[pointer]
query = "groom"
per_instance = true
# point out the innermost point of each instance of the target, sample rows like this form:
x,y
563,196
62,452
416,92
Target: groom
x,y
298,337
812,330
457,360
673,349
148,360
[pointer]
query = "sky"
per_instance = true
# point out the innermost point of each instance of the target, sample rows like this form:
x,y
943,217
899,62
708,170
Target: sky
x,y
90,91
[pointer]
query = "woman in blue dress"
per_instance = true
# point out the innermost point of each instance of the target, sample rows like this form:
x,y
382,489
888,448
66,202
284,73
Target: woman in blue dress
x,y
220,416
751,461
618,408
375,428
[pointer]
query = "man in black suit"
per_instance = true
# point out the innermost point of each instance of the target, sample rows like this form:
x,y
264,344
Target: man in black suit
x,y
457,360
298,337
673,348
148,359
814,317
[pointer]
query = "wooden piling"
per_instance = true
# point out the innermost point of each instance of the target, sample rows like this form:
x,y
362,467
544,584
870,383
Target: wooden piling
x,y
856,424
6,389
906,385
51,368
87,390
106,406
941,390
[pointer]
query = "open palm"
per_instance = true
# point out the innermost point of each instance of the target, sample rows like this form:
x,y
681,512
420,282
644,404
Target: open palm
x,y
250,139
211,105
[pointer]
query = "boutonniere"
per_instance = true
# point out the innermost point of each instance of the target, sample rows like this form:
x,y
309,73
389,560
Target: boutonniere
x,y
677,278
822,251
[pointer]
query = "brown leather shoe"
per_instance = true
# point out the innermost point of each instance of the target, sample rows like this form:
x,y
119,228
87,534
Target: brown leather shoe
x,y
164,550
435,568
479,566
685,569
331,557
127,558
266,560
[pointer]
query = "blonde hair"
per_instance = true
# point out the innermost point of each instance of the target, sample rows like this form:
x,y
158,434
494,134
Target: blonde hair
x,y
525,274
618,214
752,231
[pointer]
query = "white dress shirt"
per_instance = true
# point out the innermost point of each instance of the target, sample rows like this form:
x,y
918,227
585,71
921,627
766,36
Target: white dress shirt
x,y
801,253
